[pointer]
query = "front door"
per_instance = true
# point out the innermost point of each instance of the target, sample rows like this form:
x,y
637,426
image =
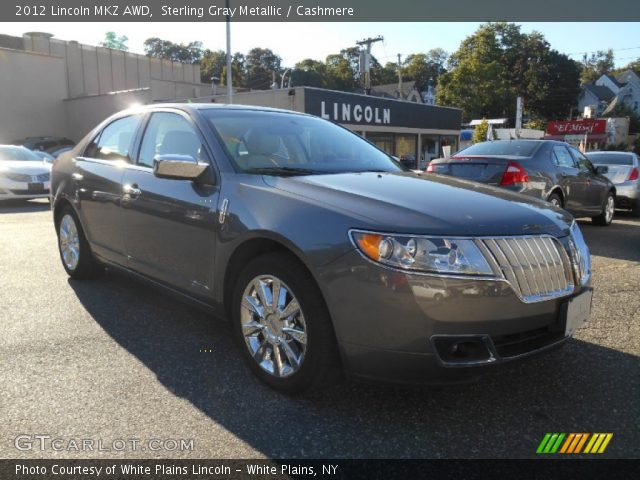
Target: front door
x,y
170,224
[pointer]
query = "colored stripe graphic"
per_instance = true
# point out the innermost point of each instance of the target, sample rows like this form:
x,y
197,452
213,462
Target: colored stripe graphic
x,y
573,443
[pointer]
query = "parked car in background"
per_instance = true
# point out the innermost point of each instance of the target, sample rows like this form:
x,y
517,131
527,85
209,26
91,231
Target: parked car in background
x,y
57,151
47,144
322,252
23,174
47,157
623,169
551,170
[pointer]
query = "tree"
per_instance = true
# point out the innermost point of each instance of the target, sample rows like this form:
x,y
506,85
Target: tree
x,y
481,131
425,68
212,65
598,64
344,69
499,63
310,73
260,65
176,52
111,40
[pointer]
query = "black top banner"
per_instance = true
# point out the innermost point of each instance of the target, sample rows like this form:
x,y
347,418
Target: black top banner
x,y
317,10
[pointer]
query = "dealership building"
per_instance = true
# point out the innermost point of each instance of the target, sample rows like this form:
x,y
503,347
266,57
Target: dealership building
x,y
53,87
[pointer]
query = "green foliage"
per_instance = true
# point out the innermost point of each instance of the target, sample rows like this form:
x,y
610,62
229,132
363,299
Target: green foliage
x,y
425,68
596,65
481,131
260,65
536,124
177,52
212,65
498,63
111,40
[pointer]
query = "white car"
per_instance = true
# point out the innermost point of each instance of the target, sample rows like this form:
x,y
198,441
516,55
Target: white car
x,y
23,174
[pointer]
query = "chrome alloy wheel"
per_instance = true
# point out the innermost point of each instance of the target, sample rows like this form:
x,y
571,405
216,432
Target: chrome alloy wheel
x,y
555,202
273,326
609,209
69,242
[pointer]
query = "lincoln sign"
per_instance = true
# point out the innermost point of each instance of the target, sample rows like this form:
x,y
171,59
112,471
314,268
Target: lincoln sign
x,y
577,127
355,109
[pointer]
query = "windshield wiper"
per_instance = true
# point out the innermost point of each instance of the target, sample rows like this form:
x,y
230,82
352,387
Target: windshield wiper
x,y
282,171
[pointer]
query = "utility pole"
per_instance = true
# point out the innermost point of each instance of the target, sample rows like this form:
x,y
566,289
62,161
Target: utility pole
x,y
400,76
365,60
229,86
519,108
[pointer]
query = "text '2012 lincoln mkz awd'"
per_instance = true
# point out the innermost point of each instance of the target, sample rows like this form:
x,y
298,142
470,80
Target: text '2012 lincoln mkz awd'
x,y
325,254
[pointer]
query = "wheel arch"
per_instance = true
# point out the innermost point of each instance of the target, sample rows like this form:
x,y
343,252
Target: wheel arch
x,y
557,190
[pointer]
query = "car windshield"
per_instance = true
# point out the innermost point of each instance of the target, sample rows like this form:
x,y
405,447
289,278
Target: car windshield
x,y
610,159
265,142
18,153
517,148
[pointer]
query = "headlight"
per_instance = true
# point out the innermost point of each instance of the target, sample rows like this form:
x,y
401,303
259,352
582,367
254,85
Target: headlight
x,y
423,253
580,256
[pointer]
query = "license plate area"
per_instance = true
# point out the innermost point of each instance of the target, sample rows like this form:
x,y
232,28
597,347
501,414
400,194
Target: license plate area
x,y
36,187
578,312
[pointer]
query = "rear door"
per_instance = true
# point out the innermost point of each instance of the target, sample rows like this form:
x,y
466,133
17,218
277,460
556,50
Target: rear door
x,y
568,178
170,224
594,186
97,179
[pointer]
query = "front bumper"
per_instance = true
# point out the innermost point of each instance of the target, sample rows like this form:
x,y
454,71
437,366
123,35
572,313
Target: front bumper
x,y
12,190
390,324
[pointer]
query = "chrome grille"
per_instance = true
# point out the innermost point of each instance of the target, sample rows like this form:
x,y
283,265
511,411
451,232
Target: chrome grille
x,y
537,268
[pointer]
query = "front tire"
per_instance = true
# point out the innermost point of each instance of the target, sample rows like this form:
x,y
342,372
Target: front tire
x,y
75,253
282,325
555,200
608,210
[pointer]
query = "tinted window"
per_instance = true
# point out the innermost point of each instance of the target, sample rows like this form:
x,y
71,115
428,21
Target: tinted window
x,y
18,153
114,142
518,148
582,161
260,140
610,159
562,157
172,135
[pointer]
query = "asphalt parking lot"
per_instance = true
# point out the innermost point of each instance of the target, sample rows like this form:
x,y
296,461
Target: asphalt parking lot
x,y
111,359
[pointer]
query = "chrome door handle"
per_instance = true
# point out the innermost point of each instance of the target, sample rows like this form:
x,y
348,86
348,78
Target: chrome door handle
x,y
131,190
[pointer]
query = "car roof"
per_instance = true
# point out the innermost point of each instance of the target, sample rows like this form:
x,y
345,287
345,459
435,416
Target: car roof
x,y
192,107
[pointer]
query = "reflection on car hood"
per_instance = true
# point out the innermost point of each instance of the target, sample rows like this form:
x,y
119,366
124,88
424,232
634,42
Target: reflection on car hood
x,y
429,204
28,167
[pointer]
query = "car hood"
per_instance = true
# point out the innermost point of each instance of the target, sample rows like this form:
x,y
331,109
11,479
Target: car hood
x,y
27,167
428,204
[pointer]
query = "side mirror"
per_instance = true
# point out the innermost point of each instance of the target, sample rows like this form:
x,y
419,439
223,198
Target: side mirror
x,y
602,169
182,167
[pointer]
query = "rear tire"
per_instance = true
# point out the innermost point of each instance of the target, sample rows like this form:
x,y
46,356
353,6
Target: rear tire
x,y
556,200
75,253
287,339
608,211
635,210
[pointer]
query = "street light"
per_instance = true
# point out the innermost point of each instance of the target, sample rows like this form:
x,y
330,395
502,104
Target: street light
x,y
288,70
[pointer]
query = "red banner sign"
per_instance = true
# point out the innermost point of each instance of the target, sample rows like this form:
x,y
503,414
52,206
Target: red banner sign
x,y
577,127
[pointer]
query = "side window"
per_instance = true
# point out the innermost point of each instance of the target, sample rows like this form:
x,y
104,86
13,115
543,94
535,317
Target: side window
x,y
562,157
114,142
172,135
583,162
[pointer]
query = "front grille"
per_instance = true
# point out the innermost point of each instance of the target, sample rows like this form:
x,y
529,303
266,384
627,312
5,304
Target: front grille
x,y
537,268
23,177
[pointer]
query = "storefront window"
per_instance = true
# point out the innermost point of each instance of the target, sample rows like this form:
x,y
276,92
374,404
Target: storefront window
x,y
406,149
383,141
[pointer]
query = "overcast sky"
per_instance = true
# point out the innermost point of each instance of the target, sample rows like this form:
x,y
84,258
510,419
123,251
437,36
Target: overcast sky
x,y
296,41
